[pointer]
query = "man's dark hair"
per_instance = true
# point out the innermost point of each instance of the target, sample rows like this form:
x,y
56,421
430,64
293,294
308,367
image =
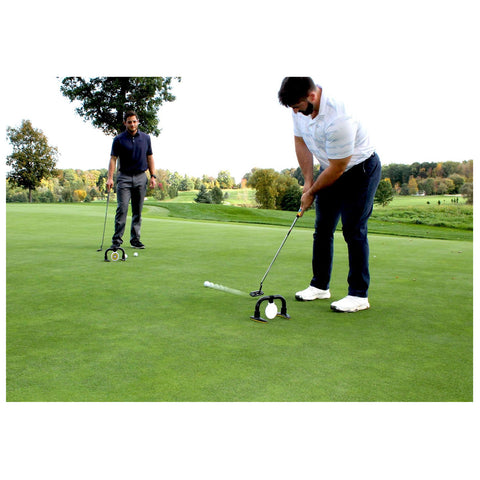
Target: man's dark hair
x,y
129,113
294,89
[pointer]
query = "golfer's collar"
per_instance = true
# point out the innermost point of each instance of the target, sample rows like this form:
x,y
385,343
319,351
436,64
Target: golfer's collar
x,y
322,108
323,103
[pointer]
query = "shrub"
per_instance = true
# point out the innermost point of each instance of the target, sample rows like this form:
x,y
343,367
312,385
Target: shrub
x,y
217,195
292,199
79,195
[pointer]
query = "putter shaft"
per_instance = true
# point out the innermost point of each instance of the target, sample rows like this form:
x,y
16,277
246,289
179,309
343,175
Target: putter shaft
x,y
105,221
278,251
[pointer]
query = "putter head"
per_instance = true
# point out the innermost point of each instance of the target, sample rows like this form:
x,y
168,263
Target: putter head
x,y
256,293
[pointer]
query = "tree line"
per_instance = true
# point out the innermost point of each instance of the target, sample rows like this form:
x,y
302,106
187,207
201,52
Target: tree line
x,y
74,185
34,178
39,181
429,178
33,175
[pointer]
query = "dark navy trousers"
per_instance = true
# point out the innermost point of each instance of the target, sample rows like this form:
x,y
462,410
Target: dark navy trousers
x,y
351,199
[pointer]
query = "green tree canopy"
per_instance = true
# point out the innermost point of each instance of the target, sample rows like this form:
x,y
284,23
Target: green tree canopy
x,y
225,180
104,100
32,160
263,181
292,198
271,187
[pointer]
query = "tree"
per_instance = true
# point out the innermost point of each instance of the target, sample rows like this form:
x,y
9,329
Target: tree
x,y
203,195
466,169
384,193
458,180
427,186
263,181
186,184
32,160
225,180
397,173
271,187
292,199
104,100
174,180
441,187
79,195
282,184
412,186
467,191
217,195
209,182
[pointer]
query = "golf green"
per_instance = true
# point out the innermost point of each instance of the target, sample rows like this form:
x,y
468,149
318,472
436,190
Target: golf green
x,y
81,329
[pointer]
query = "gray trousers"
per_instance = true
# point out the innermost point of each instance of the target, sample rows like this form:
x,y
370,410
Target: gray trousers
x,y
129,188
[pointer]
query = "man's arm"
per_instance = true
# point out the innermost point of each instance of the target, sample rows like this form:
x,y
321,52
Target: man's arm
x,y
305,162
151,169
328,177
111,170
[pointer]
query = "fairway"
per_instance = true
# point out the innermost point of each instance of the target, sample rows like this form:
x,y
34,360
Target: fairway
x,y
81,329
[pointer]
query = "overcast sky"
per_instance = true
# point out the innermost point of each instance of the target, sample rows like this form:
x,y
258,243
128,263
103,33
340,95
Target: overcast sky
x,y
408,72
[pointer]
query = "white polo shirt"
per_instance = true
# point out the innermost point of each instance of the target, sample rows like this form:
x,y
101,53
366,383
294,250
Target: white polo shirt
x,y
333,134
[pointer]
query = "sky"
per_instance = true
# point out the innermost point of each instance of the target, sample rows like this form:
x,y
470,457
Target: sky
x,y
408,69
408,76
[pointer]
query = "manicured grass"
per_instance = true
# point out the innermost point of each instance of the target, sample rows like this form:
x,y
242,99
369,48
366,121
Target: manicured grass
x,y
81,329
236,196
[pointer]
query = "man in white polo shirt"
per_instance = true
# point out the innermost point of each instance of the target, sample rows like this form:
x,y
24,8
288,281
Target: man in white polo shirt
x,y
350,171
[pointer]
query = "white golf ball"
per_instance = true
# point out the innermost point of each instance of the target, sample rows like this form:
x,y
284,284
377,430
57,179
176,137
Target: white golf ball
x,y
135,254
206,284
271,310
126,256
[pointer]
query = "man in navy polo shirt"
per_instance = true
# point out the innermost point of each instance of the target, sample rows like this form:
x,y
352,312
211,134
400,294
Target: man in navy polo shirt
x,y
133,149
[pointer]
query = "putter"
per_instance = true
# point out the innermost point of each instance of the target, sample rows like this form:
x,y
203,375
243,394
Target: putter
x,y
105,222
257,293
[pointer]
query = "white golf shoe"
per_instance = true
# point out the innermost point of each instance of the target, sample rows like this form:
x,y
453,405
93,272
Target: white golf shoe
x,y
350,304
312,293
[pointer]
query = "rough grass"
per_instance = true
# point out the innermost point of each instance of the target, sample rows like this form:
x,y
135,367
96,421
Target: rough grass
x,y
451,216
409,211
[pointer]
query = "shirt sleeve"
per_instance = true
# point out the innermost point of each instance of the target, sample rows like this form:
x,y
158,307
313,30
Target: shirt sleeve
x,y
149,146
340,138
115,150
297,131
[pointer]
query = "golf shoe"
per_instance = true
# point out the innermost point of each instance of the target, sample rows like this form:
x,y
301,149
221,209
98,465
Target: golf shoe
x,y
350,304
312,293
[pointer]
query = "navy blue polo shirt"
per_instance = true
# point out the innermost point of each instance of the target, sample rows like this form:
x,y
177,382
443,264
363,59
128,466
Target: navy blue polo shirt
x,y
132,151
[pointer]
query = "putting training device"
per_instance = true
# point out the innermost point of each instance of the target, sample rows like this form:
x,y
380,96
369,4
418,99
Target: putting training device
x,y
257,293
114,256
105,222
222,288
271,311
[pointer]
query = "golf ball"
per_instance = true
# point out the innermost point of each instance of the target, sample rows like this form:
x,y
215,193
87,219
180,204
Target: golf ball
x,y
135,254
206,284
271,311
126,256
